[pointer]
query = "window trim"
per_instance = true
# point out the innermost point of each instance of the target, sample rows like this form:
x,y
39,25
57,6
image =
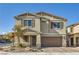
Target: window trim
x,y
27,22
60,27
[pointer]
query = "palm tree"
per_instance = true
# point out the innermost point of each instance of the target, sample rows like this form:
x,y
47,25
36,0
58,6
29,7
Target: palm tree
x,y
18,32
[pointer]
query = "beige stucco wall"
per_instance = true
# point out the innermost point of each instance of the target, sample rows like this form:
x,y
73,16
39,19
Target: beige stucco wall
x,y
76,29
37,22
37,25
61,31
45,27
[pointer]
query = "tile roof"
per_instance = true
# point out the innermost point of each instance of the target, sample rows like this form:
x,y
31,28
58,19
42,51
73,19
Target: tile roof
x,y
73,25
37,15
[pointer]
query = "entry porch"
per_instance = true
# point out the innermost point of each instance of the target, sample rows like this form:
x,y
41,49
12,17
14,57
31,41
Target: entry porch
x,y
73,40
32,40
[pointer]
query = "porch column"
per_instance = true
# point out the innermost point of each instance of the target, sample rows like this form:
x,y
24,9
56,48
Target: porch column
x,y
69,41
63,40
74,41
38,41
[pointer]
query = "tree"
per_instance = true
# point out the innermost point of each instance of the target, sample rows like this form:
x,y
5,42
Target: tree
x,y
18,32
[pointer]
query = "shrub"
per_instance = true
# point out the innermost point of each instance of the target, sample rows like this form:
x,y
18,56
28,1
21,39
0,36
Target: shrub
x,y
23,45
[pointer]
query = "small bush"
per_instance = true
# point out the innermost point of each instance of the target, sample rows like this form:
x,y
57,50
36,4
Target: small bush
x,y
12,49
23,45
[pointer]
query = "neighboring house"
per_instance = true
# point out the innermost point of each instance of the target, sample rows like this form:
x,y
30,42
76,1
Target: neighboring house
x,y
1,36
43,29
73,34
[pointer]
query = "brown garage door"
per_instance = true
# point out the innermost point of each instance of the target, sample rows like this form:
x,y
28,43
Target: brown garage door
x,y
51,41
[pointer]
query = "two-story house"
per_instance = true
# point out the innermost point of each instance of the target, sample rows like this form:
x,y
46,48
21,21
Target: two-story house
x,y
43,29
73,35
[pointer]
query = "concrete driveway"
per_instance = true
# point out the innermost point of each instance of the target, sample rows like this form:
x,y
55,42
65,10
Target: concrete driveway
x,y
49,51
61,49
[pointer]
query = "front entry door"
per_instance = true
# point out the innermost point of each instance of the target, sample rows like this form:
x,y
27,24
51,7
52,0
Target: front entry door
x,y
33,41
72,42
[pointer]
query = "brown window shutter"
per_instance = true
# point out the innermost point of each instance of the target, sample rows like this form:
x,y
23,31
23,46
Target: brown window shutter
x,y
49,25
33,23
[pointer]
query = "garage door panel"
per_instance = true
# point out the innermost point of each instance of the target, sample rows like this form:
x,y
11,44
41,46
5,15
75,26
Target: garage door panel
x,y
51,41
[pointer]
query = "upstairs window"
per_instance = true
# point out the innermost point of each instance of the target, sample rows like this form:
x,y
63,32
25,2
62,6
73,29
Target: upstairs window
x,y
71,29
27,22
56,25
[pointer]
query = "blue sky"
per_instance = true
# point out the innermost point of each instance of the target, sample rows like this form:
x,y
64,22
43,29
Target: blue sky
x,y
8,11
